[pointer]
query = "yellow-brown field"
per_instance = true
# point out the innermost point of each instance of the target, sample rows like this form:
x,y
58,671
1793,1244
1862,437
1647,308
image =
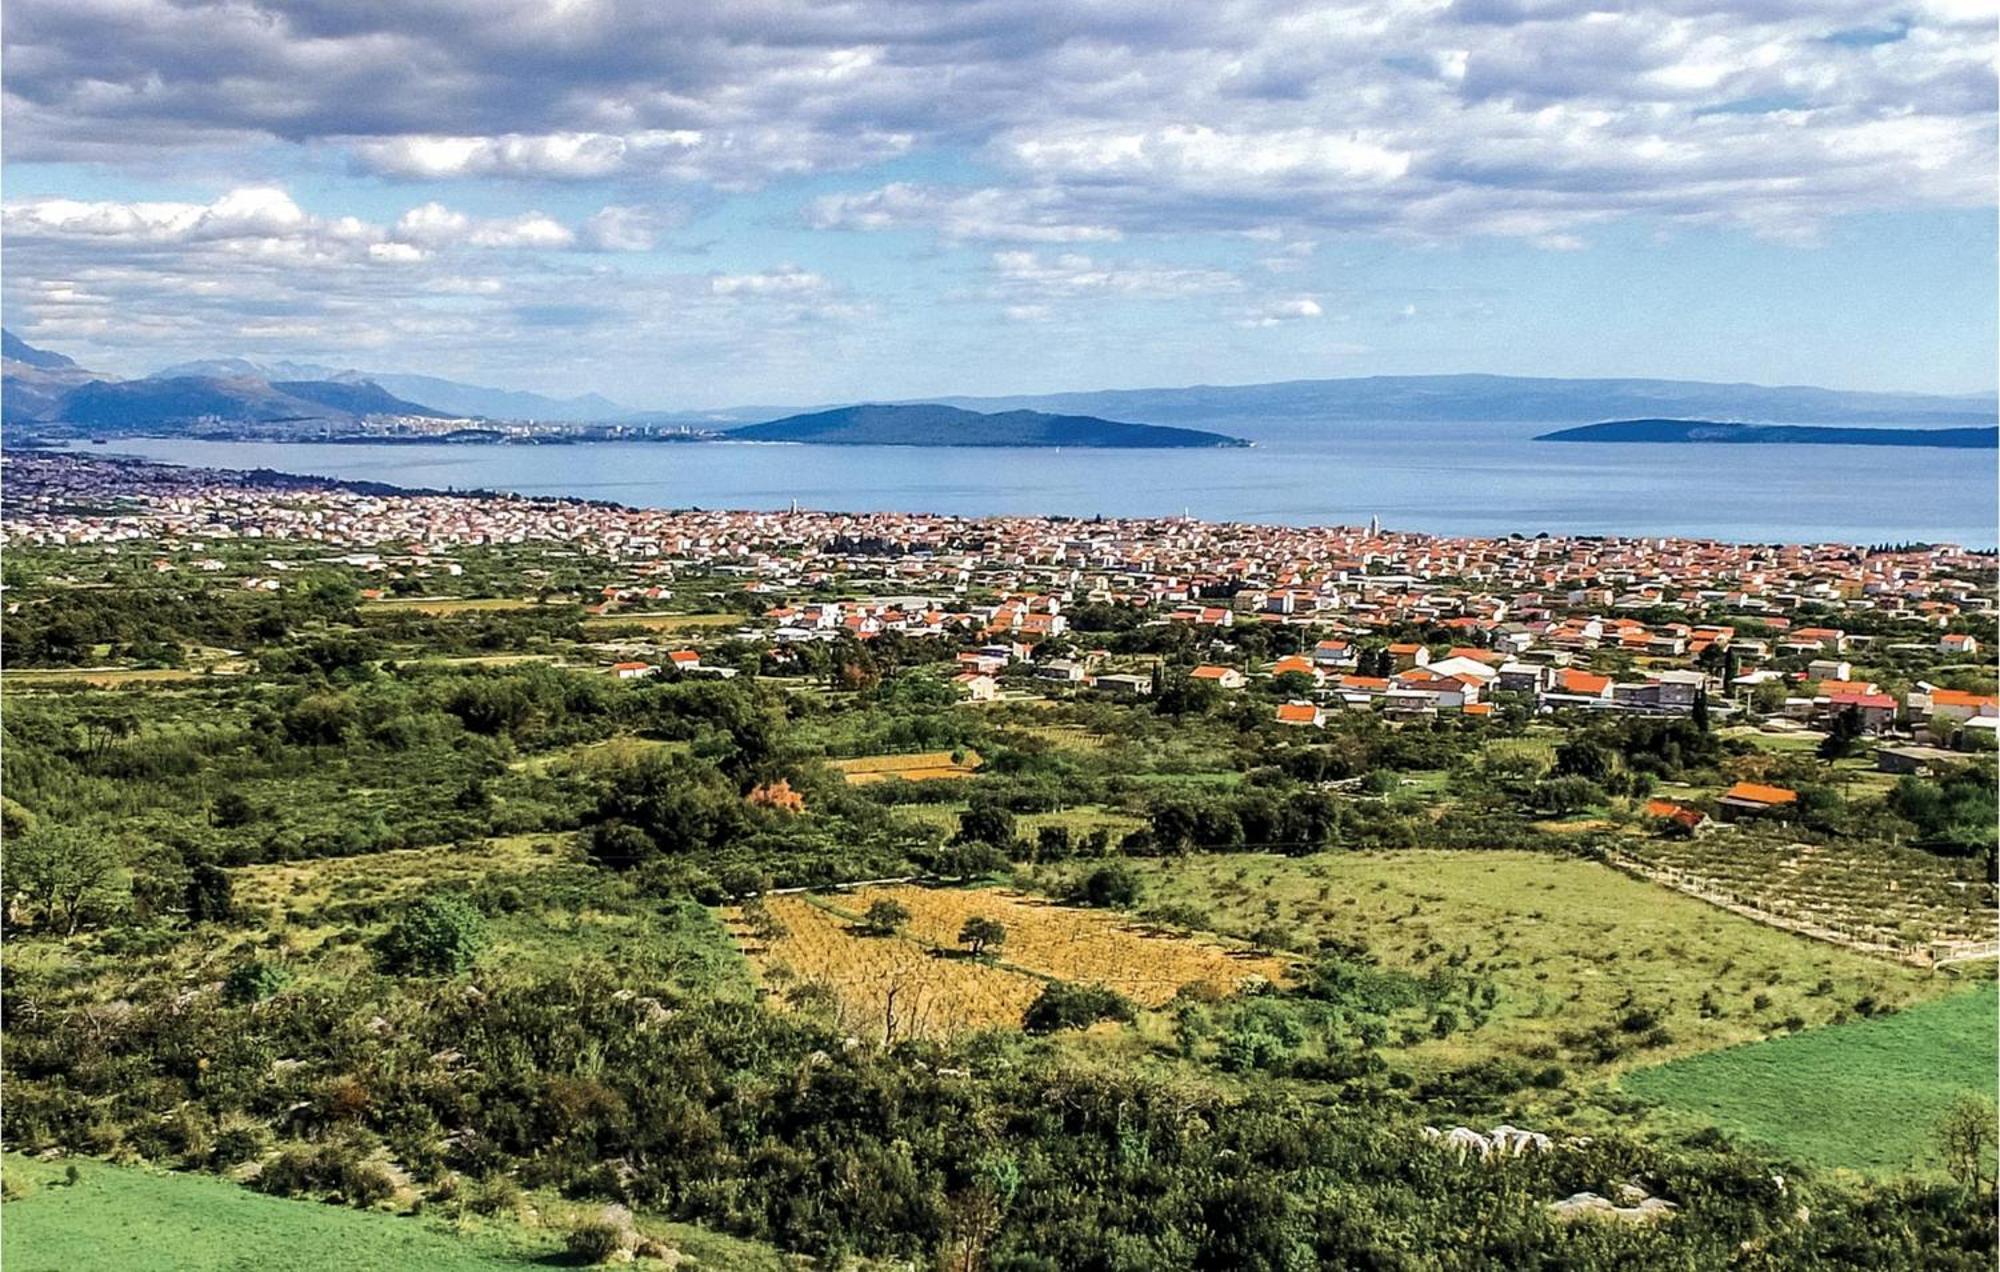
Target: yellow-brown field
x,y
919,766
915,984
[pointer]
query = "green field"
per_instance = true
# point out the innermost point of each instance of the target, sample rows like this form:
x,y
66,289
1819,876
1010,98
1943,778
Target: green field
x,y
1568,943
1865,1095
139,1220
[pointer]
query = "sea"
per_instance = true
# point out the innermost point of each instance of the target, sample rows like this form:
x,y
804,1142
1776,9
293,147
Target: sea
x,y
1442,478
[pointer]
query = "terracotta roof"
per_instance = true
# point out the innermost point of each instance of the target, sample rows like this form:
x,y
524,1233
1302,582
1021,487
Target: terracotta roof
x,y
1754,793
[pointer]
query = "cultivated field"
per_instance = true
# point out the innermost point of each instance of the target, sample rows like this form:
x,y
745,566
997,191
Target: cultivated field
x,y
917,983
1899,898
1865,1095
917,766
1589,963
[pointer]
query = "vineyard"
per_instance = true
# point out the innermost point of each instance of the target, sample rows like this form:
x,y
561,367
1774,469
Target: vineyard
x,y
917,983
1898,901
921,766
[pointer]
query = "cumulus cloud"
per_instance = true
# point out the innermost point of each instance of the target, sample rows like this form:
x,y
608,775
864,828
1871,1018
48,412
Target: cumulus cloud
x,y
1277,312
253,272
1404,117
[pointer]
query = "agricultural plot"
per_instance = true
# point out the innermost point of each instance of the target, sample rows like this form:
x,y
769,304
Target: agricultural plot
x,y
1900,899
1866,1095
664,622
306,886
916,983
918,766
1593,967
439,606
883,987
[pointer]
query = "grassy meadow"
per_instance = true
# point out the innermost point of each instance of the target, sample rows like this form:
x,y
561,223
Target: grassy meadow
x,y
1865,1095
1594,967
140,1220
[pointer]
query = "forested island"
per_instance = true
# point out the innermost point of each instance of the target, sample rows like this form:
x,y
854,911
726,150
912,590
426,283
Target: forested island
x,y
933,425
1774,434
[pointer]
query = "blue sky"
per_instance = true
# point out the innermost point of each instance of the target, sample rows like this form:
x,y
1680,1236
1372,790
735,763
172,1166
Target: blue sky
x,y
779,202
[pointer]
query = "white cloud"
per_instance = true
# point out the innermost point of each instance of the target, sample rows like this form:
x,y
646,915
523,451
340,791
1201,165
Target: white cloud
x,y
615,228
1276,312
786,281
1073,274
1021,216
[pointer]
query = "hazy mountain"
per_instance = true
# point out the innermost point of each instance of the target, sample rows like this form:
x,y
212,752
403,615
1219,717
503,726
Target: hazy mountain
x,y
499,404
1700,431
447,397
35,380
15,349
933,425
1248,408
132,406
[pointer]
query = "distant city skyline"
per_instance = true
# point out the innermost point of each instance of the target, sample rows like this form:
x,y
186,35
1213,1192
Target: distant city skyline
x,y
786,203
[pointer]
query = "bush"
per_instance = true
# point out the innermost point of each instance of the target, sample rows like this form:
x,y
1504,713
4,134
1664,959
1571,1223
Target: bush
x,y
598,1238
255,981
437,936
336,1170
1062,1005
885,916
1108,887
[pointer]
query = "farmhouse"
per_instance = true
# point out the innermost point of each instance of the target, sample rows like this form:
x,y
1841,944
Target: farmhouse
x,y
633,670
1301,714
1220,677
1751,799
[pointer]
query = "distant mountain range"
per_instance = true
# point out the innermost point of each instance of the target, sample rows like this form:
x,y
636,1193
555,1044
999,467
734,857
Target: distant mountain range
x,y
1713,431
44,386
1245,408
929,424
449,397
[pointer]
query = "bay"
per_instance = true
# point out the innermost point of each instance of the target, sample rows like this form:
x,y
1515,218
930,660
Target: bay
x,y
1443,478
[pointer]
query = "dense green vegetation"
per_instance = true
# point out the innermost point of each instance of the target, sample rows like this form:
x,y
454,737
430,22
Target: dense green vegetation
x,y
417,909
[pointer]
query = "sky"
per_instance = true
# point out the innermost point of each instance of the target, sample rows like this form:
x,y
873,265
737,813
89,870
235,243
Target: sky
x,y
768,201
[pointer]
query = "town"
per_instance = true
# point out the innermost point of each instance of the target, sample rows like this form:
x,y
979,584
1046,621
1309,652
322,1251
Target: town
x,y
1352,617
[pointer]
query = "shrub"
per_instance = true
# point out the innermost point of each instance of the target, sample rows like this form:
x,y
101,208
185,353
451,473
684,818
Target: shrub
x,y
883,917
598,1238
1113,886
1062,1005
437,936
336,1170
254,981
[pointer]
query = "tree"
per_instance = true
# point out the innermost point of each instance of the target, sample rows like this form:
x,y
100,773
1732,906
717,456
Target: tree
x,y
438,935
1701,710
1965,1138
1843,735
1112,886
1062,1005
64,871
883,917
981,934
209,894
320,719
986,822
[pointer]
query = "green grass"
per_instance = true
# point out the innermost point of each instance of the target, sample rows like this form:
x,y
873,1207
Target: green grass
x,y
139,1220
1570,945
1865,1095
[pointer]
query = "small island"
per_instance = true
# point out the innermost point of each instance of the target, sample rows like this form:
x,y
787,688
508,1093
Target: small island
x,y
1659,430
933,425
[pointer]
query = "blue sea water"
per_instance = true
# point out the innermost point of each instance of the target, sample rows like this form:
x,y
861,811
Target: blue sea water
x,y
1445,478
